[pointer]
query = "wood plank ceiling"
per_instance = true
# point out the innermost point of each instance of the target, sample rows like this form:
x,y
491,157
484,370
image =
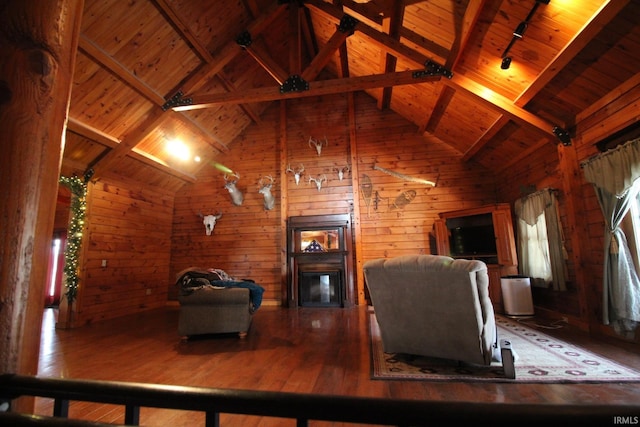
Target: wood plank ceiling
x,y
225,61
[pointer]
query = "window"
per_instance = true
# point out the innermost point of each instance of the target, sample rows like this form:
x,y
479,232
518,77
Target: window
x,y
541,253
536,262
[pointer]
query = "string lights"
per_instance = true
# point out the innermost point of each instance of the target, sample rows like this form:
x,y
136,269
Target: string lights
x,y
78,209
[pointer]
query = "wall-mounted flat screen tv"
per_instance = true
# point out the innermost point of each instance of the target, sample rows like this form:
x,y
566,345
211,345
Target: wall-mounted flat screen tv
x,y
472,236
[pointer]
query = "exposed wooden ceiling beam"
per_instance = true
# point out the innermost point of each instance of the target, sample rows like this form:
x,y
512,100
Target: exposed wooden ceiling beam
x,y
502,104
194,82
295,37
480,92
601,17
258,52
495,127
80,128
307,33
118,70
183,29
228,52
325,55
323,87
93,134
373,11
391,25
464,28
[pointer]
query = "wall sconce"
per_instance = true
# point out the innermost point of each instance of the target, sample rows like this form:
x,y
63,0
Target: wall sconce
x,y
518,34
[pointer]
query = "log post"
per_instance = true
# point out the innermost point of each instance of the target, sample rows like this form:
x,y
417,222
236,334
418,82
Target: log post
x,y
38,44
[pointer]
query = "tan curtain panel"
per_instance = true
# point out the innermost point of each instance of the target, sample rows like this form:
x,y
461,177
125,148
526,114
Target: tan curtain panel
x,y
613,175
615,170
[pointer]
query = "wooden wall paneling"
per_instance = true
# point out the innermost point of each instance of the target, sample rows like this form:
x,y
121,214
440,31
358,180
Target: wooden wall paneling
x,y
285,298
576,227
247,239
129,226
355,180
386,140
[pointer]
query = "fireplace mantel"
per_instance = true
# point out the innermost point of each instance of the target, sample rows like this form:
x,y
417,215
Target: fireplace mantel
x,y
319,253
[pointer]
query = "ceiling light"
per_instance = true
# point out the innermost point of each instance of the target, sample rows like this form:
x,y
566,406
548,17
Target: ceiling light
x,y
520,29
506,63
178,149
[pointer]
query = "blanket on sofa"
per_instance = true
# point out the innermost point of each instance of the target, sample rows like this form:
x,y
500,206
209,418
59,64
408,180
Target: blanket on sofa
x,y
191,280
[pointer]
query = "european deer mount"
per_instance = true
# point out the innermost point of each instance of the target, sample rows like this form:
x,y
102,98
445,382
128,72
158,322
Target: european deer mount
x,y
341,171
318,180
264,188
209,221
318,144
236,195
297,173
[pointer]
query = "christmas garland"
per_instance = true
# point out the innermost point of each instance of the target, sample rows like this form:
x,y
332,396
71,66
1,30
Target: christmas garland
x,y
78,208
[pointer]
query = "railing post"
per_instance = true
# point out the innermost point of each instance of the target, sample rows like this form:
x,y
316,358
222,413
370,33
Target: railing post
x,y
61,408
132,415
213,419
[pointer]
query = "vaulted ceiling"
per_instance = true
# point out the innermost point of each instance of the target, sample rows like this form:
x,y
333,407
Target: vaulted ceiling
x,y
149,71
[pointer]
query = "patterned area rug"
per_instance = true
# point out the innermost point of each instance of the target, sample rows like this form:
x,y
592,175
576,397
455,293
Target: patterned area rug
x,y
540,359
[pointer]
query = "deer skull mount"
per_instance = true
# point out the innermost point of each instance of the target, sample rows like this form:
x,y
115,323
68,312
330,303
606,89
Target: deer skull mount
x,y
297,173
341,171
318,180
318,144
264,188
236,195
209,222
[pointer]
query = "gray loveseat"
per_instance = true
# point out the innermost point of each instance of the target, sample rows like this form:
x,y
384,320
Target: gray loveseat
x,y
211,302
436,306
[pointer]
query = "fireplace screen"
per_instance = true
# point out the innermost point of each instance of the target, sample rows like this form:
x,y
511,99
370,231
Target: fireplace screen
x,y
320,288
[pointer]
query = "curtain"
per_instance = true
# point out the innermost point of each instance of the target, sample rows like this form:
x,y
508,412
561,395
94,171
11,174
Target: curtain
x,y
540,240
614,175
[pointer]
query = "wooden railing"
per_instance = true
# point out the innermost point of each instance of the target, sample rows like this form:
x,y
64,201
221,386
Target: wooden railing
x,y
301,407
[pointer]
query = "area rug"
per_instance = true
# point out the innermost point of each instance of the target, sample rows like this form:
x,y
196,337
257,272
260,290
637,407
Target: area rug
x,y
540,359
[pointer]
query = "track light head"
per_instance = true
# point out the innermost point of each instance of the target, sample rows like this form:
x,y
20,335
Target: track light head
x,y
520,29
506,63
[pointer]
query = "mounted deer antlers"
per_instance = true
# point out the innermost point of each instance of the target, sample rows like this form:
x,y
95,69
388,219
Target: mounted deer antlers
x,y
319,180
341,171
318,144
236,195
265,189
296,173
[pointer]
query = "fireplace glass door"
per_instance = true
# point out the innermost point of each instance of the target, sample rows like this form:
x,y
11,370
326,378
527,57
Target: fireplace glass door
x,y
320,288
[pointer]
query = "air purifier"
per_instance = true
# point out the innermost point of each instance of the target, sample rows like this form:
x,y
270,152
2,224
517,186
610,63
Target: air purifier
x,y
516,295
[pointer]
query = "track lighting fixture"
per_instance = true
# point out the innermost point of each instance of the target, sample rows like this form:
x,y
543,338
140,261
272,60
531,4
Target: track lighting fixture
x,y
520,29
518,34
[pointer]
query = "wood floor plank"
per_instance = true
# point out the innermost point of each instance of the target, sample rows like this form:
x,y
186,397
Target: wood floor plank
x,y
307,350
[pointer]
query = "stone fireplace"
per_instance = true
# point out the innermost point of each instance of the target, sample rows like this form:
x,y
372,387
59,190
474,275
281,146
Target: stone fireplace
x,y
320,261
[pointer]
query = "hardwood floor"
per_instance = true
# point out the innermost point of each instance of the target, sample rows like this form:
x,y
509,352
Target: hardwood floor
x,y
307,350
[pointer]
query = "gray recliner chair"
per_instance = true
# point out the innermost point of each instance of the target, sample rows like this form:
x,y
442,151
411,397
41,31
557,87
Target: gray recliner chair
x,y
436,306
